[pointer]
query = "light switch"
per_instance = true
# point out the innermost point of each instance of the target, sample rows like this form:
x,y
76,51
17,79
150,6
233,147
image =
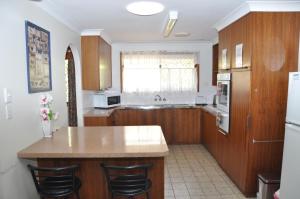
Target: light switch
x,y
7,96
8,111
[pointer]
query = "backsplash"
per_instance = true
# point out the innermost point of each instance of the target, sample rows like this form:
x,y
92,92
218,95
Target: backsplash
x,y
149,98
161,98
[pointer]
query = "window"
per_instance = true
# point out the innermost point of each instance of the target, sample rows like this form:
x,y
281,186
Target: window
x,y
144,72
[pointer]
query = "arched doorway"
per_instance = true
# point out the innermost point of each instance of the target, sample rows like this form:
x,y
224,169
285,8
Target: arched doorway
x,y
71,88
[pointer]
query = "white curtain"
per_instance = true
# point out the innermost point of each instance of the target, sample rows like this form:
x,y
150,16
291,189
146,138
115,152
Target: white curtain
x,y
145,72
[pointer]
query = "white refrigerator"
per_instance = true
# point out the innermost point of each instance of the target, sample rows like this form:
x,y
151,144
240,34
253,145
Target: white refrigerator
x,y
290,176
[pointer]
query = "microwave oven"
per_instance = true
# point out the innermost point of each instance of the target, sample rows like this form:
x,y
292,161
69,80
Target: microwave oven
x,y
106,100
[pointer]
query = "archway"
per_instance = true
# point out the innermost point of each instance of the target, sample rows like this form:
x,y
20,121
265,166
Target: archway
x,y
71,88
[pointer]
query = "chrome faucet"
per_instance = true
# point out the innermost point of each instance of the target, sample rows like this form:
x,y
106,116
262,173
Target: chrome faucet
x,y
157,96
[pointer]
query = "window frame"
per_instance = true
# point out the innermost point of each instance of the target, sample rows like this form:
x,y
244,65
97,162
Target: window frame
x,y
197,66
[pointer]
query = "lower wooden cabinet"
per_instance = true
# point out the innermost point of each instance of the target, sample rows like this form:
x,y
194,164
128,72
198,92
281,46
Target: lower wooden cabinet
x,y
97,121
187,126
180,126
209,132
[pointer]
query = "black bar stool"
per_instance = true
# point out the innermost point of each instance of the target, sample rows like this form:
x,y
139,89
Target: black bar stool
x,y
58,182
128,181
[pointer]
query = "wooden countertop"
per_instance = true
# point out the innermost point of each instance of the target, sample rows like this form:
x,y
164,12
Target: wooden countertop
x,y
100,142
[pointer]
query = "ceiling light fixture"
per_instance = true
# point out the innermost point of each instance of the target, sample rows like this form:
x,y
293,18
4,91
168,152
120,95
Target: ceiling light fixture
x,y
182,34
173,16
145,8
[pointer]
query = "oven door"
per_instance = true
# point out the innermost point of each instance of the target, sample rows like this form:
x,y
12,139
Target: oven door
x,y
222,121
223,95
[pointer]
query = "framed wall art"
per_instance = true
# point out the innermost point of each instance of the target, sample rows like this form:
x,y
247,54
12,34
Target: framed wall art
x,y
38,58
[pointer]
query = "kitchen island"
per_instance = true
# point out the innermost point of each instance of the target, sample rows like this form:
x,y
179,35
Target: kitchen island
x,y
90,146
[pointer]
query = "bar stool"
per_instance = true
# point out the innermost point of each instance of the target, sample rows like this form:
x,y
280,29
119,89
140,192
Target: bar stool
x,y
58,182
128,181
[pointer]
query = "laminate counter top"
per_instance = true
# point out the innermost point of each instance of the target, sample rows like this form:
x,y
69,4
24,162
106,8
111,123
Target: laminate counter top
x,y
99,112
100,142
211,109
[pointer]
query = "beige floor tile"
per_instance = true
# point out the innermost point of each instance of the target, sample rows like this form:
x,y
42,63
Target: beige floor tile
x,y
191,172
224,190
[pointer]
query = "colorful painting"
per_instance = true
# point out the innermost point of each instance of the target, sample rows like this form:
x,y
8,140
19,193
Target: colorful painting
x,y
38,58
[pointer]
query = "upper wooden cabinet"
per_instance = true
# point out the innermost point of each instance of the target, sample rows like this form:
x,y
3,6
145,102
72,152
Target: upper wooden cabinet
x,y
225,49
230,37
215,64
240,36
96,63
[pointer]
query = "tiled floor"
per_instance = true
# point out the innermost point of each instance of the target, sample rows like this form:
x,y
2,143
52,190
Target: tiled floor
x,y
192,173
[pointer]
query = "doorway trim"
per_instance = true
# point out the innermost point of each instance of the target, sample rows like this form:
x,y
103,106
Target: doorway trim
x,y
79,100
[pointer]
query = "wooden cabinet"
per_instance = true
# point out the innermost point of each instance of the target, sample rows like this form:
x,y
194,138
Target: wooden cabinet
x,y
97,121
96,63
258,94
209,132
215,62
180,126
240,34
187,126
236,141
215,141
225,45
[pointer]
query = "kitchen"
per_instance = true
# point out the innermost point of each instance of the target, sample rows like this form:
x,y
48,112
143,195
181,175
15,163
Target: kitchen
x,y
248,63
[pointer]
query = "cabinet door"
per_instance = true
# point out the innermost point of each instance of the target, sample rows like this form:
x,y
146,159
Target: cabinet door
x,y
105,64
187,126
165,119
237,147
225,45
215,64
240,35
209,132
126,117
90,62
97,121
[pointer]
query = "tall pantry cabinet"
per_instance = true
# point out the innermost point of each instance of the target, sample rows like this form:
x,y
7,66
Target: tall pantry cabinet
x,y
259,92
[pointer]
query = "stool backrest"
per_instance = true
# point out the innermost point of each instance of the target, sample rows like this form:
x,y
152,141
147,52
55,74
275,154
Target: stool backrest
x,y
126,177
53,179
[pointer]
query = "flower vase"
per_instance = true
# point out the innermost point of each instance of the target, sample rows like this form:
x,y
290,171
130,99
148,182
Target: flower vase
x,y
47,128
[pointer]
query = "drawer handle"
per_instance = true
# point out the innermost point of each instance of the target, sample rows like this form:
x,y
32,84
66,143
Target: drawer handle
x,y
266,141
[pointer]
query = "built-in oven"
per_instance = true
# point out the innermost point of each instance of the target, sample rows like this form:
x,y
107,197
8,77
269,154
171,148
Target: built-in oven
x,y
223,91
223,101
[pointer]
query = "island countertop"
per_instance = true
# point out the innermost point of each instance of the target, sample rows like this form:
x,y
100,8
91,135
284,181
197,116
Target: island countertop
x,y
100,142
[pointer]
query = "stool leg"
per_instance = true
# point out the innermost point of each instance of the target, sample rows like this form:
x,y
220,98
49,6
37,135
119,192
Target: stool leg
x,y
77,195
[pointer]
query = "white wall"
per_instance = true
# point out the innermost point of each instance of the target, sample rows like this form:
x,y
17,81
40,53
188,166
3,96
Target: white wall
x,y
24,128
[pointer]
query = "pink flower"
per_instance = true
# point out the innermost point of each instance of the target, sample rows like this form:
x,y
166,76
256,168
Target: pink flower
x,y
44,100
45,117
45,110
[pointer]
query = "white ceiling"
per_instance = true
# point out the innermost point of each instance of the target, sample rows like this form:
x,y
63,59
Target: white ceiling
x,y
195,16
